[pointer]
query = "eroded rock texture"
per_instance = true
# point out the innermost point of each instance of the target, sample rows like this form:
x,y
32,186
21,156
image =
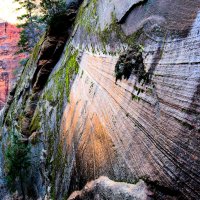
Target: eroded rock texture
x,y
89,122
142,129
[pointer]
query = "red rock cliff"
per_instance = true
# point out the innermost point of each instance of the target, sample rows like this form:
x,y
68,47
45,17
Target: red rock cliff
x,y
9,36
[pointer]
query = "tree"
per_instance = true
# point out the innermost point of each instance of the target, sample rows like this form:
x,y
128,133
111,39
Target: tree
x,y
30,25
36,18
17,162
50,9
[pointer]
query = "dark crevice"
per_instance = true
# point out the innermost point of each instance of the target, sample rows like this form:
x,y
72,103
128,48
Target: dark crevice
x,y
55,39
162,192
52,48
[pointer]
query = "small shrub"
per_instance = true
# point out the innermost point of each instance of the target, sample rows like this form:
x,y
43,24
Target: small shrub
x,y
17,163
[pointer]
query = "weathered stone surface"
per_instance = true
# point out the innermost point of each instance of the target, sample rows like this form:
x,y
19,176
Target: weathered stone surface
x,y
104,188
124,9
93,125
162,17
140,129
106,10
34,137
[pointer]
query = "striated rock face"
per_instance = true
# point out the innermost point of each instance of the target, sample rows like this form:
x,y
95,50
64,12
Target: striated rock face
x,y
9,36
122,101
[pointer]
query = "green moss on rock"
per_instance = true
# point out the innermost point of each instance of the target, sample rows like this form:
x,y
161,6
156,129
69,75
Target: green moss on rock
x,y
35,123
72,68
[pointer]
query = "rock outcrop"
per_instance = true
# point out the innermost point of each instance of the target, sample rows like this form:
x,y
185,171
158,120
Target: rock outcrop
x,y
122,100
104,188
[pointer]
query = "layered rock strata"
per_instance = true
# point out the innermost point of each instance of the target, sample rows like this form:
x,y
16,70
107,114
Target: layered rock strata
x,y
122,100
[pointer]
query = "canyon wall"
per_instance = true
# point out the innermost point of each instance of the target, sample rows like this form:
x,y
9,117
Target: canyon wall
x,y
121,100
9,37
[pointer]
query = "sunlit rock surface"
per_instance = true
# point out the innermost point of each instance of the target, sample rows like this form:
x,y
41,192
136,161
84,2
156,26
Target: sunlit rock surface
x,y
87,123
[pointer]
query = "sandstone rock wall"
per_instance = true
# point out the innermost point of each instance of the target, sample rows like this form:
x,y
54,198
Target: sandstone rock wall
x,y
86,123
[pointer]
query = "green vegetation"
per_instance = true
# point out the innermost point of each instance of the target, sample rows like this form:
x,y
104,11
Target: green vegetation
x,y
125,65
84,16
72,68
37,17
59,88
135,97
29,23
55,93
88,18
17,163
35,123
52,10
57,166
62,79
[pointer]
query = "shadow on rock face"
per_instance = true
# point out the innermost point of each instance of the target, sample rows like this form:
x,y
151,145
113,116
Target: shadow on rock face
x,y
176,17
